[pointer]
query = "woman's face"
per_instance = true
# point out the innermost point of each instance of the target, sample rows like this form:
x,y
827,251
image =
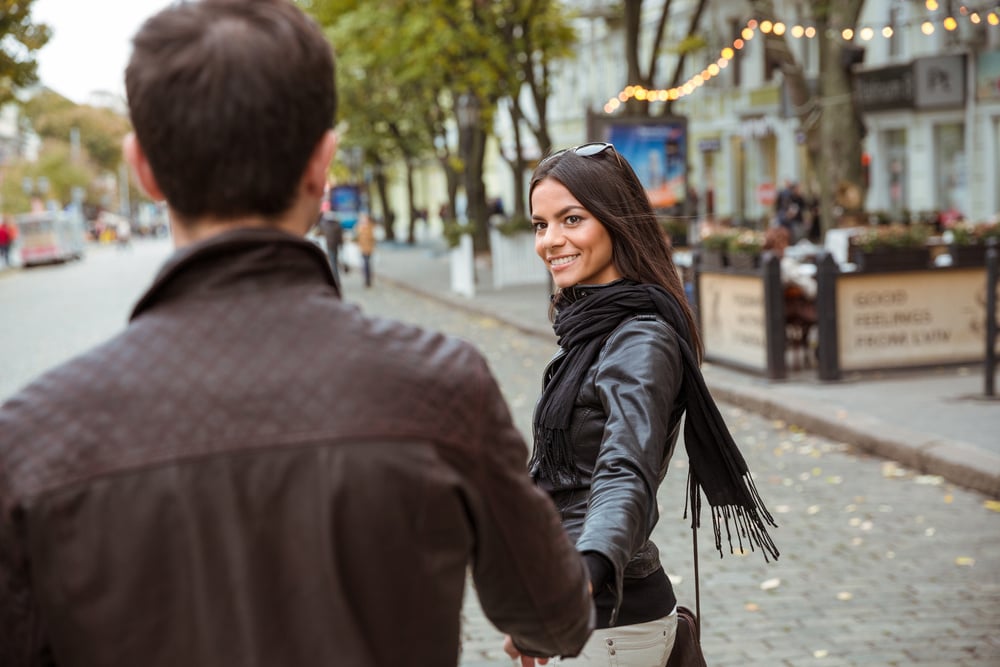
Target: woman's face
x,y
574,245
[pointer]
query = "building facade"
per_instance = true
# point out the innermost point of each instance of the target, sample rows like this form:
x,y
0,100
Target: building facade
x,y
927,82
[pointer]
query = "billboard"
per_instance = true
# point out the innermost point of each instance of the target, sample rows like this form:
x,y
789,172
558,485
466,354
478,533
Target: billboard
x,y
657,150
345,203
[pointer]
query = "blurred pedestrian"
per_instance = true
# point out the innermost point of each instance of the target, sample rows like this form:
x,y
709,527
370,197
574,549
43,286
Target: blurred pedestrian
x,y
626,372
254,472
7,236
790,210
123,233
364,233
333,235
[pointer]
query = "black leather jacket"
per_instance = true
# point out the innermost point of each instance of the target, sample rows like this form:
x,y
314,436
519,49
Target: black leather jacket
x,y
624,429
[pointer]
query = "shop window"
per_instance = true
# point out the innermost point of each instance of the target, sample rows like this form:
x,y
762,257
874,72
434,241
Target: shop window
x,y
949,167
897,172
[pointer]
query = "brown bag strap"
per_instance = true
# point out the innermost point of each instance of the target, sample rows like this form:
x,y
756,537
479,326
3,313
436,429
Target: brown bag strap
x,y
697,586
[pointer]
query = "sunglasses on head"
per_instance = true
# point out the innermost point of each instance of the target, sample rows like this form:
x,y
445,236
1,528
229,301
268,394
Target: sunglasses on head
x,y
585,150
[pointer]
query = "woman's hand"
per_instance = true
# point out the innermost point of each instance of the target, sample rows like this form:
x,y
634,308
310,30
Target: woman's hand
x,y
526,661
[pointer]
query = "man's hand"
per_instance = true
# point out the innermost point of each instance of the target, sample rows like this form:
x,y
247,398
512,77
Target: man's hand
x,y
526,661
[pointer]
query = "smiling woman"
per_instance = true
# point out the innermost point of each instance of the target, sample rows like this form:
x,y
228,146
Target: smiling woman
x,y
570,240
608,420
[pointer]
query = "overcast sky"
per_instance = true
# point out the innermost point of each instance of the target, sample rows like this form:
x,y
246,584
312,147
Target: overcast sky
x,y
90,44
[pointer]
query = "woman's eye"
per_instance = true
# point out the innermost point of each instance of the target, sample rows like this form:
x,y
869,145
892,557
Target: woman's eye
x,y
538,226
573,219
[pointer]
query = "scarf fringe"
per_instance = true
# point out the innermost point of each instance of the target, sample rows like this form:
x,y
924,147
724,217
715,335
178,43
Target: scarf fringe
x,y
750,522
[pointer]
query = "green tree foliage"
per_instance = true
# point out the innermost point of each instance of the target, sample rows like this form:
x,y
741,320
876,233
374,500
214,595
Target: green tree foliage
x,y
54,164
403,66
101,129
20,38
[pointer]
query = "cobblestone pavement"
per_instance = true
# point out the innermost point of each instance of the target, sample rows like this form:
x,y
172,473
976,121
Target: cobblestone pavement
x,y
879,565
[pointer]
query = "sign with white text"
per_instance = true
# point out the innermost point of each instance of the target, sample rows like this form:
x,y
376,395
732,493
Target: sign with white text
x,y
918,318
733,318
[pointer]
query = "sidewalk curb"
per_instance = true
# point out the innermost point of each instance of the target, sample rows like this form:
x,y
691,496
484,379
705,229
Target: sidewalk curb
x,y
957,461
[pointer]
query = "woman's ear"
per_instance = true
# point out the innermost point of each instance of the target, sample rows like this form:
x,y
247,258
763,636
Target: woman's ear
x,y
136,159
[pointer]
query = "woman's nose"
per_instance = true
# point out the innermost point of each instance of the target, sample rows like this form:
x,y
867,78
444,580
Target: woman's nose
x,y
553,236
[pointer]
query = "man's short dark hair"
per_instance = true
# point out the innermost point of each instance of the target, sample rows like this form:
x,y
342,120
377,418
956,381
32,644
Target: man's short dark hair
x,y
228,99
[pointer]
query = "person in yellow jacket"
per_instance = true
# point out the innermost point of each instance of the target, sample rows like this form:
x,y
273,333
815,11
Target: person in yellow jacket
x,y
365,236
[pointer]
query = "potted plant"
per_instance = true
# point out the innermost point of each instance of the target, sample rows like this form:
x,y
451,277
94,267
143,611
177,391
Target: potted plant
x,y
894,247
676,229
968,242
714,246
744,249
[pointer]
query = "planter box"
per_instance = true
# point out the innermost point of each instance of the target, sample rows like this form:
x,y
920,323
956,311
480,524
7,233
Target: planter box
x,y
967,255
515,261
891,259
742,260
713,259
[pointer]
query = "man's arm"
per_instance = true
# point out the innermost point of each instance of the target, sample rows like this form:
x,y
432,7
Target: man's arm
x,y
531,581
22,642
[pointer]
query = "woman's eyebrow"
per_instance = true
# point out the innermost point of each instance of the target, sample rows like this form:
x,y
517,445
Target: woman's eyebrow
x,y
561,212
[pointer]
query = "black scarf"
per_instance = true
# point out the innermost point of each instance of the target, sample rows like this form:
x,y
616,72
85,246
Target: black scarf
x,y
717,467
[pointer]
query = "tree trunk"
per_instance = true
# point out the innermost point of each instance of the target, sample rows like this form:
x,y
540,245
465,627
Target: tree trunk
x,y
475,190
411,234
383,196
841,132
517,165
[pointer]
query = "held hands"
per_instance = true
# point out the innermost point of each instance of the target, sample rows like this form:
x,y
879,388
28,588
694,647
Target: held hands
x,y
526,661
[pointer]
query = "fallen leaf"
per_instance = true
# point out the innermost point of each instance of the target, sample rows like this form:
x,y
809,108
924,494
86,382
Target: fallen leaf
x,y
821,653
949,499
813,509
751,606
845,596
992,505
928,480
965,561
770,584
930,532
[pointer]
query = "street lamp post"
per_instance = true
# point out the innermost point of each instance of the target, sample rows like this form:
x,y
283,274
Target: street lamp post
x,y
463,260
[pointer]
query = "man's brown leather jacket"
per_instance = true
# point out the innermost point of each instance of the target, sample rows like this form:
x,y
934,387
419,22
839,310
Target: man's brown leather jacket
x,y
254,473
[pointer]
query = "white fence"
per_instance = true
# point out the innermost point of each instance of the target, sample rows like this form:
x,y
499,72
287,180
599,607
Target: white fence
x,y
515,261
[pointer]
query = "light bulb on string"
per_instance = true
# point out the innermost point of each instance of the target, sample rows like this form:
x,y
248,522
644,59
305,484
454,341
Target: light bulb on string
x,y
810,32
866,33
887,32
927,28
779,28
950,23
798,31
847,34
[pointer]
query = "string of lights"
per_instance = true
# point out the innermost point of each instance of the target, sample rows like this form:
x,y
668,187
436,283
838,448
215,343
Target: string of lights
x,y
753,27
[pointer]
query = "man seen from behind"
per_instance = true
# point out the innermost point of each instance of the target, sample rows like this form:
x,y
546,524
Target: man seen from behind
x,y
253,472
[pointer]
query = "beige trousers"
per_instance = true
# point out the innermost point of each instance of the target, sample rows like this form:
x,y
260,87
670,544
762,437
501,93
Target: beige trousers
x,y
640,645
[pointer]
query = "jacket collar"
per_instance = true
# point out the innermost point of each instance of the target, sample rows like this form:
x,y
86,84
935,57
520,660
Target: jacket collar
x,y
574,293
237,260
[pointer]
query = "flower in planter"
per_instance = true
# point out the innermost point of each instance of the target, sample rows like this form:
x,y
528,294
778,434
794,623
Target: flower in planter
x,y
970,234
719,239
746,242
892,236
